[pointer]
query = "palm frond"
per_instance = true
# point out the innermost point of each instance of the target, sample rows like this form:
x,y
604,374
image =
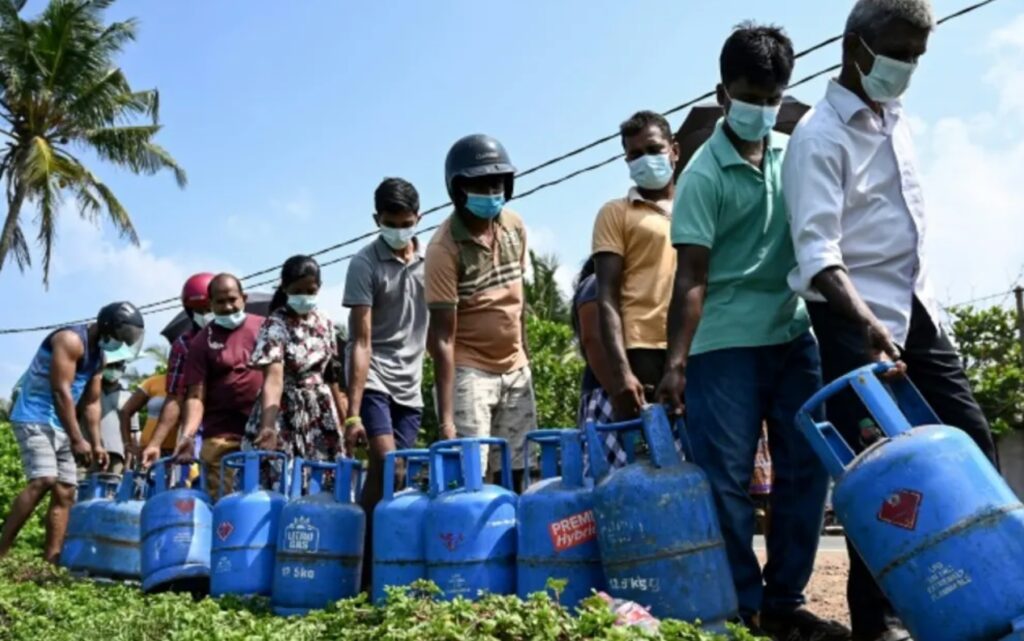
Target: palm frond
x,y
48,197
38,163
116,211
132,147
59,85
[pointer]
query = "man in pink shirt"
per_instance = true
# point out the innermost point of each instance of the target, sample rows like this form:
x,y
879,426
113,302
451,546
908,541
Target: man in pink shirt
x,y
222,389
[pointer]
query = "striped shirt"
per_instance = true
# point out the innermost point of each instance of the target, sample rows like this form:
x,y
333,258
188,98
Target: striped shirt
x,y
485,287
176,364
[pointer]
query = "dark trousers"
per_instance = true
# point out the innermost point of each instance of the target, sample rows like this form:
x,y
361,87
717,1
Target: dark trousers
x,y
935,368
729,393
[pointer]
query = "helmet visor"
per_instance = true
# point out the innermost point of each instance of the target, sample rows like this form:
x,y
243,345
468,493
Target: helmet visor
x,y
124,345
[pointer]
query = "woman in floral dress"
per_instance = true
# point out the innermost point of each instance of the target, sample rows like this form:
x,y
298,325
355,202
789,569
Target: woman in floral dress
x,y
296,412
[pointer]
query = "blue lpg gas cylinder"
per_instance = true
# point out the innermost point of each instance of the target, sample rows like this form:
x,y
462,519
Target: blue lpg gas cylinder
x,y
74,539
320,543
940,530
469,531
245,525
398,546
78,553
177,530
556,530
658,531
398,524
119,530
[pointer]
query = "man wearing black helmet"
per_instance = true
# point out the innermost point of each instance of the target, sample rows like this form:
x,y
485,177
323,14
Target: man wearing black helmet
x,y
63,380
474,290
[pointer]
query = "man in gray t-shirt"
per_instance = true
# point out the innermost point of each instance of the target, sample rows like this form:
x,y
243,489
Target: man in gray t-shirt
x,y
387,337
114,396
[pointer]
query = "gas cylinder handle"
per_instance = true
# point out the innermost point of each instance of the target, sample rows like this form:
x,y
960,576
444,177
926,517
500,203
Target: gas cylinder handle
x,y
471,469
506,461
561,455
389,467
126,489
549,442
894,414
653,424
249,463
106,483
345,470
159,475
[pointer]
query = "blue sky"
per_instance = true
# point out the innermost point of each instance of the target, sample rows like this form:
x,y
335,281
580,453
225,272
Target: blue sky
x,y
287,115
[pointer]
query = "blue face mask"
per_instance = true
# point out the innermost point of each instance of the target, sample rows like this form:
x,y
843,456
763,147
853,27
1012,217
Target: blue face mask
x,y
651,171
230,321
486,206
111,375
751,122
889,78
115,351
302,303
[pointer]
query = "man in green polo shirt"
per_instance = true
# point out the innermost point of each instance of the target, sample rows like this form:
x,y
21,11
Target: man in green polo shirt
x,y
740,349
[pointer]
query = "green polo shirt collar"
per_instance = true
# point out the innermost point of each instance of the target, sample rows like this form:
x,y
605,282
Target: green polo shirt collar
x,y
725,153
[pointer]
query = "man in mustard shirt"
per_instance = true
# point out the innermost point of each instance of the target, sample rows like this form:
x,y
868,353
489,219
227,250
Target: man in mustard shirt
x,y
740,347
635,263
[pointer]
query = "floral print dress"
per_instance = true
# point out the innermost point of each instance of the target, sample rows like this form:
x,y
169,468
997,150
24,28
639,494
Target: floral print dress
x,y
307,422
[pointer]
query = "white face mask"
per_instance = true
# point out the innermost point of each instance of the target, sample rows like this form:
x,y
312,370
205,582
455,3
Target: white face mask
x,y
397,238
202,320
229,321
889,78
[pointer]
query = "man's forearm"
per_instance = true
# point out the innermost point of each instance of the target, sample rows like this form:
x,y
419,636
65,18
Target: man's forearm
x,y
359,370
684,314
170,414
611,330
444,381
91,413
193,417
842,296
64,403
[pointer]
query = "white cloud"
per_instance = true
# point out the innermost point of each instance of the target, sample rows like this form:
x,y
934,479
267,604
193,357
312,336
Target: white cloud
x,y
971,170
90,269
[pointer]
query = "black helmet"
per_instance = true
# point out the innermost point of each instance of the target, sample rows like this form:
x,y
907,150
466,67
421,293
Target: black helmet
x,y
121,322
473,156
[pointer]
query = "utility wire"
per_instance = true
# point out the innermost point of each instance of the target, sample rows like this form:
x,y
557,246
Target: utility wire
x,y
171,303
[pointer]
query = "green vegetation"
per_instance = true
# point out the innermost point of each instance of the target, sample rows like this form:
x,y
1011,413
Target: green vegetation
x,y
991,352
39,602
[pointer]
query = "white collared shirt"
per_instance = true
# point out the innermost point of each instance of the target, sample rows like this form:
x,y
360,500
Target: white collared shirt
x,y
855,201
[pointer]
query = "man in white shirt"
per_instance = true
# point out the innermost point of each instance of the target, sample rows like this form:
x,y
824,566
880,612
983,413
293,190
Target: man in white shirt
x,y
858,223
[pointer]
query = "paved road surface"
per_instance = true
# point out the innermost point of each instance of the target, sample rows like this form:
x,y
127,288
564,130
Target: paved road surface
x,y
828,544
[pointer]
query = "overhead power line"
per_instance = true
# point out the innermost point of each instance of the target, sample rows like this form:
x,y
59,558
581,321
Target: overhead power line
x,y
172,303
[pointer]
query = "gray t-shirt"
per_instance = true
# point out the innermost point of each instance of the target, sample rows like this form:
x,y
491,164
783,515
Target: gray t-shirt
x,y
110,423
398,333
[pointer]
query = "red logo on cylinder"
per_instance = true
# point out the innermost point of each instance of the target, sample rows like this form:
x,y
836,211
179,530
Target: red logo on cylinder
x,y
451,540
573,530
901,509
224,530
185,506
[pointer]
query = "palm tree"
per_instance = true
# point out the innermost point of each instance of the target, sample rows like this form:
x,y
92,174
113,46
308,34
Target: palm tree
x,y
61,94
543,298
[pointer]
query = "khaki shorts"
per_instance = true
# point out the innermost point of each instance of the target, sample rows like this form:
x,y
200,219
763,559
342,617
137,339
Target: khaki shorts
x,y
211,453
45,452
497,405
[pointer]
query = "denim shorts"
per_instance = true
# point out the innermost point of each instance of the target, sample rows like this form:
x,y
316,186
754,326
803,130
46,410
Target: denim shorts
x,y
381,415
45,452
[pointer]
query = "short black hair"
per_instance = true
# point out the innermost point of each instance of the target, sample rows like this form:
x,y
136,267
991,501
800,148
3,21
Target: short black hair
x,y
641,120
396,195
763,54
224,276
